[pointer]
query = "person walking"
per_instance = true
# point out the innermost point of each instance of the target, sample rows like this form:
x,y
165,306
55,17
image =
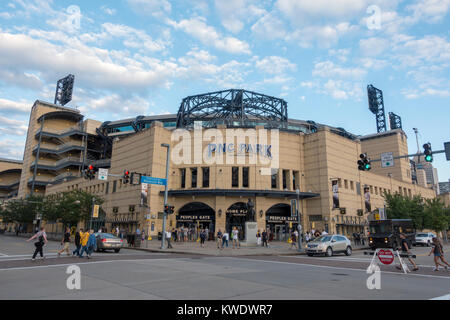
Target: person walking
x,y
84,242
65,242
307,236
225,238
91,244
42,241
265,238
219,239
235,237
143,238
405,250
438,252
77,243
202,238
168,237
294,239
258,238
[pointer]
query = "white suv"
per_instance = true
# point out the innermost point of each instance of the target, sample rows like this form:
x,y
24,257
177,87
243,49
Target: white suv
x,y
329,244
424,238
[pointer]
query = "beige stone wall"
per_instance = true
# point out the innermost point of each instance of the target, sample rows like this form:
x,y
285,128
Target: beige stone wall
x,y
394,141
318,158
52,125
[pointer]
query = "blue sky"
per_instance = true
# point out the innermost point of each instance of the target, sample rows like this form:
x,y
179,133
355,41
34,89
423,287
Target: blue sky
x,y
141,57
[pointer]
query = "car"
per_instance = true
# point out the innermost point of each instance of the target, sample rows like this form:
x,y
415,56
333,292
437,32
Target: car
x,y
424,238
108,241
329,245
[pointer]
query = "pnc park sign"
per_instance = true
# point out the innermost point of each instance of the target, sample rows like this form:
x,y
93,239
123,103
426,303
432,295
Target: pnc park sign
x,y
264,150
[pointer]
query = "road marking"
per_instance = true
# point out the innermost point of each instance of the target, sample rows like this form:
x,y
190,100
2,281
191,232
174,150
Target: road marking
x,y
341,268
79,263
446,297
3,255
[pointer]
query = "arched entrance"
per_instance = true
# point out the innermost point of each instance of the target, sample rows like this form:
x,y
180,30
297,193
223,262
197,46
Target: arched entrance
x,y
280,222
195,216
236,217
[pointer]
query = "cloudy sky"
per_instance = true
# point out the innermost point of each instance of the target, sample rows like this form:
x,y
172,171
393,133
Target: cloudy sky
x,y
141,57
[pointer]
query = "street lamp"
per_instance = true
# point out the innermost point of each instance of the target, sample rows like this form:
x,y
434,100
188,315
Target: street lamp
x,y
165,145
299,226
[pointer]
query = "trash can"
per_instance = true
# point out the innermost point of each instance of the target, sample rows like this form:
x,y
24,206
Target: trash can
x,y
159,236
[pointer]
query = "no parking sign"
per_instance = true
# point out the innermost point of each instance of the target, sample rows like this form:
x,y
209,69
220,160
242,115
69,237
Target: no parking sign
x,y
386,256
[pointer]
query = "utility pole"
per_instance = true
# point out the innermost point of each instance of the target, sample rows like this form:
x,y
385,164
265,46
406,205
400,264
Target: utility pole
x,y
165,145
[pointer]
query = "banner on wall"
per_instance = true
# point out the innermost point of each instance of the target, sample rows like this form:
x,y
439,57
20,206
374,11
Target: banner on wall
x,y
367,199
335,189
144,194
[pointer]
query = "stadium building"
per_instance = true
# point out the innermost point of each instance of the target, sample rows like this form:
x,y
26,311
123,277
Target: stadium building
x,y
228,148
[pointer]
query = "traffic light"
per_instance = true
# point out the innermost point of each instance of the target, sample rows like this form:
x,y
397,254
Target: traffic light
x,y
89,172
126,176
428,152
364,163
168,209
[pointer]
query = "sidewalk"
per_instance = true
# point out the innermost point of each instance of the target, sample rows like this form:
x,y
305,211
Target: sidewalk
x,y
275,248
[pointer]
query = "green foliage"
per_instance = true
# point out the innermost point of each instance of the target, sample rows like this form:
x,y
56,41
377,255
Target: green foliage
x,y
68,207
430,214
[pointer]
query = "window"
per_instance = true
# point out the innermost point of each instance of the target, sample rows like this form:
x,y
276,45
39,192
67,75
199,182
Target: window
x,y
376,190
205,177
351,185
295,180
194,177
345,184
114,186
107,188
183,178
274,180
235,176
285,178
245,174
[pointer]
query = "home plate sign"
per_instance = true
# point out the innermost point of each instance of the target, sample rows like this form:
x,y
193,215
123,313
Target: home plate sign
x,y
386,256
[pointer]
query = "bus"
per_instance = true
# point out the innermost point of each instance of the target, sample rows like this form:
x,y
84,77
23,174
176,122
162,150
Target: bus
x,y
386,233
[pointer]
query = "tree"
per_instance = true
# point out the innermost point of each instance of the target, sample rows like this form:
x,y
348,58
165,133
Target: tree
x,y
439,216
23,210
402,207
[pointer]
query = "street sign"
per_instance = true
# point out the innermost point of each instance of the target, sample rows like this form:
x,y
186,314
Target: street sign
x,y
102,174
386,256
447,150
96,209
387,159
152,180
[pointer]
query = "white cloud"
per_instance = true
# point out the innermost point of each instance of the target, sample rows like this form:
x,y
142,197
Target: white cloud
x,y
235,13
155,8
328,69
108,11
324,36
12,149
373,46
269,27
14,107
197,28
13,127
275,65
431,11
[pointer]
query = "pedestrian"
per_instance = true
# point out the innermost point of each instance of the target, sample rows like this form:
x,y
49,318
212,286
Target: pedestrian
x,y
264,238
361,237
77,242
174,235
294,239
142,238
235,237
405,250
202,238
92,244
168,237
117,231
307,236
258,238
84,243
17,230
207,234
225,238
42,241
66,242
438,252
100,230
219,239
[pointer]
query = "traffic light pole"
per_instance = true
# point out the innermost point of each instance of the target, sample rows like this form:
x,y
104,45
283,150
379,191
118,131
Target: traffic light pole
x,y
410,155
165,195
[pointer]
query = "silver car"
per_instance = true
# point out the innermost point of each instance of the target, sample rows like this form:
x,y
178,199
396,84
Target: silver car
x,y
328,245
108,241
424,238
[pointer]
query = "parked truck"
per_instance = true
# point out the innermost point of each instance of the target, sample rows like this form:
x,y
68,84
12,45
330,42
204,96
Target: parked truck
x,y
386,233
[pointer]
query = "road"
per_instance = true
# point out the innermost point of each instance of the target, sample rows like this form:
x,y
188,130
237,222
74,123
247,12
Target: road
x,y
133,274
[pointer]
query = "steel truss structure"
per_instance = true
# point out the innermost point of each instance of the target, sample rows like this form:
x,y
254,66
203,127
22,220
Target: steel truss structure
x,y
234,107
376,106
395,121
64,89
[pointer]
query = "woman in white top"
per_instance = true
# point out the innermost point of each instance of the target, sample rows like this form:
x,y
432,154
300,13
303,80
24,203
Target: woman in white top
x,y
235,235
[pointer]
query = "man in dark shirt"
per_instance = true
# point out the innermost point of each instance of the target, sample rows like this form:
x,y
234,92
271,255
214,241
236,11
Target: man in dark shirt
x,y
405,249
77,243
264,239
66,242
